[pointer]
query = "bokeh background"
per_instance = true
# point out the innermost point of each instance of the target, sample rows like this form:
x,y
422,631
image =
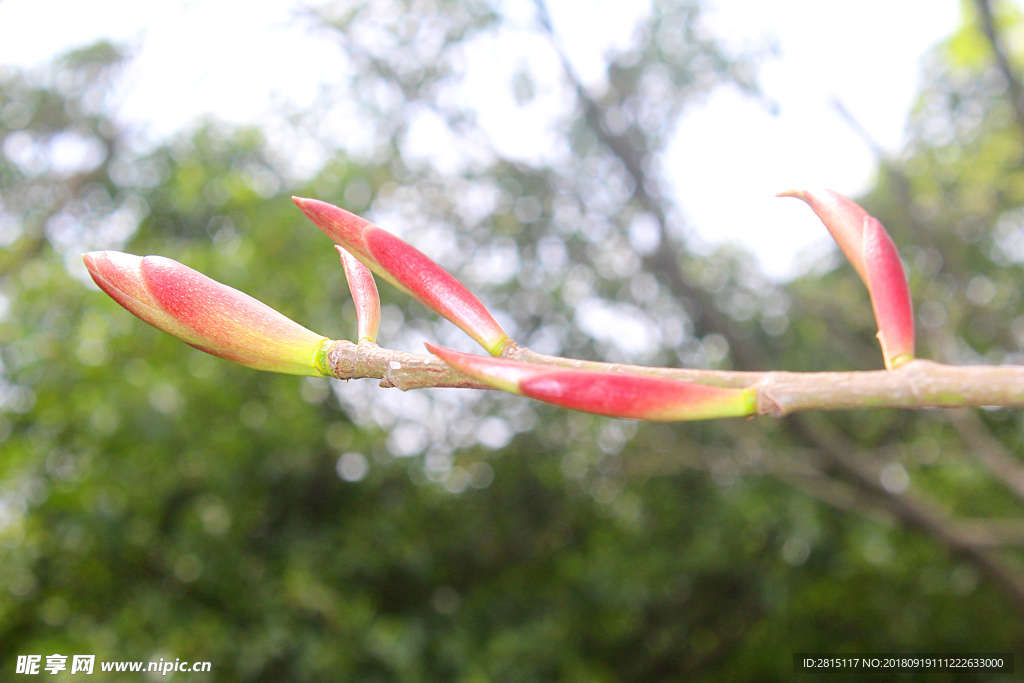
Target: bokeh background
x,y
157,502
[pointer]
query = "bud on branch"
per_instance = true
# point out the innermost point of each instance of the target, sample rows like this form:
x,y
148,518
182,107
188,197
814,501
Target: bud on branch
x,y
364,295
613,394
227,323
207,315
874,256
409,269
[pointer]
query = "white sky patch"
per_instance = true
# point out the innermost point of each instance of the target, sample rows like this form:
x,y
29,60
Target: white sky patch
x,y
727,160
625,326
518,130
590,29
730,156
191,58
430,140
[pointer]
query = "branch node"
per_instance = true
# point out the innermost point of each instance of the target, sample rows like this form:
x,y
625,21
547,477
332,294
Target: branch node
x,y
767,403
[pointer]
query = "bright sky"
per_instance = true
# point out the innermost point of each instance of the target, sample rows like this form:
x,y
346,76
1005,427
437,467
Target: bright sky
x,y
730,155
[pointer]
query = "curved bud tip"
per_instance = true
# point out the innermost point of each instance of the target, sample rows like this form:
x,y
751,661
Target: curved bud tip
x,y
843,218
409,269
497,373
612,394
343,227
117,274
206,314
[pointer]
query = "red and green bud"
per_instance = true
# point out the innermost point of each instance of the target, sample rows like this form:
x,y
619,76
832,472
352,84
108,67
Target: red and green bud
x,y
613,394
890,295
874,256
408,269
206,314
364,295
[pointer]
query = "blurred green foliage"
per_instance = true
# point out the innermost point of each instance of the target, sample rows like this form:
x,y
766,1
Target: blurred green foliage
x,y
157,502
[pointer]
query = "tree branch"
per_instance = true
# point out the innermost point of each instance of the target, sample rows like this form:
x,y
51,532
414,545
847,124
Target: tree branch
x,y
918,384
912,510
989,450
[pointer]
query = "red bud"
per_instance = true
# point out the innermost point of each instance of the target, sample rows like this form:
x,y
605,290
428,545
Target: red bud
x,y
364,295
890,295
874,256
409,269
613,394
206,314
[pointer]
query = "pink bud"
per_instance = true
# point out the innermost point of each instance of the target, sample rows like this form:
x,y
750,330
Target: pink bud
x,y
843,218
408,269
364,295
613,394
890,295
206,314
874,256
